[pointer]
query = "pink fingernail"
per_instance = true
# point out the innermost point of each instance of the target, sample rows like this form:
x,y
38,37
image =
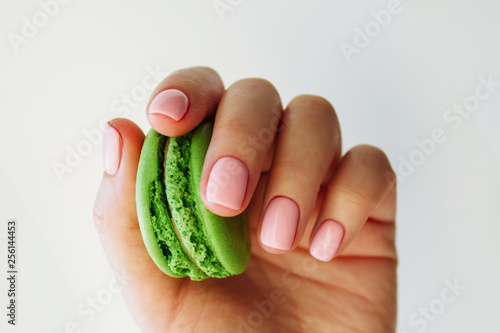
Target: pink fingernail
x,y
112,150
327,240
280,223
172,103
227,183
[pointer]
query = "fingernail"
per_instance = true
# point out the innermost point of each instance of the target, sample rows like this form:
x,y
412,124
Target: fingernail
x,y
227,183
327,240
112,150
172,103
280,223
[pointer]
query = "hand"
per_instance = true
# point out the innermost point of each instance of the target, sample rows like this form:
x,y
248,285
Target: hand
x,y
344,206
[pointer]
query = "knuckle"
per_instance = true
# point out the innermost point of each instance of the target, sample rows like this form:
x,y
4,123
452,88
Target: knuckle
x,y
321,108
370,152
293,173
207,70
314,114
239,130
313,103
373,157
191,79
255,84
355,195
297,169
183,80
376,161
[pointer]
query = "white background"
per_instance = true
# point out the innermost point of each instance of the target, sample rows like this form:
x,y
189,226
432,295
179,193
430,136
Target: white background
x,y
66,77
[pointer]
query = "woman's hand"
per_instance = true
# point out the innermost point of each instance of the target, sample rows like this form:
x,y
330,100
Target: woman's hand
x,y
323,255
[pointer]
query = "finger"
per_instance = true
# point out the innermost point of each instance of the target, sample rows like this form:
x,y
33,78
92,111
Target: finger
x,y
357,188
115,213
114,210
305,148
244,130
183,99
378,235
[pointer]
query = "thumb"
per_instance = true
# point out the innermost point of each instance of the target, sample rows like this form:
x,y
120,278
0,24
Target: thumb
x,y
115,217
115,214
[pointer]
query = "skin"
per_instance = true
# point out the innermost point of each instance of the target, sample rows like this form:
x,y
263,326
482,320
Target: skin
x,y
354,292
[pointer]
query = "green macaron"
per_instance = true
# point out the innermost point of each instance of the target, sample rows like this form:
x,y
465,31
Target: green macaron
x,y
181,235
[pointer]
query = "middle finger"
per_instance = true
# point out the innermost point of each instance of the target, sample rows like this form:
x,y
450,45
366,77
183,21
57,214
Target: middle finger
x,y
244,130
306,149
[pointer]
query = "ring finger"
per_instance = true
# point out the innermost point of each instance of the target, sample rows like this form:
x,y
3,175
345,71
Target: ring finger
x,y
306,147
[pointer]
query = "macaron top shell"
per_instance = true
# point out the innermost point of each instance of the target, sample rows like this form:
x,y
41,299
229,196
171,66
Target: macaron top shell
x,y
182,236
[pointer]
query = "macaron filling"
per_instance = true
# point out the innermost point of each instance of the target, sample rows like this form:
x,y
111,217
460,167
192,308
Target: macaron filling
x,y
178,261
180,192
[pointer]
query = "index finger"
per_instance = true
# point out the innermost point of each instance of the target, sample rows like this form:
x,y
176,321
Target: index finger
x,y
183,99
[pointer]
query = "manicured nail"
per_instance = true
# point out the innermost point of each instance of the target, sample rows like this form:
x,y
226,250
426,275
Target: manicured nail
x,y
327,240
280,223
112,149
172,103
227,183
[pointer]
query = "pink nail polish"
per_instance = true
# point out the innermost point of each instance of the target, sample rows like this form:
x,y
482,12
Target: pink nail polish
x,y
172,103
112,150
327,240
227,183
280,223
